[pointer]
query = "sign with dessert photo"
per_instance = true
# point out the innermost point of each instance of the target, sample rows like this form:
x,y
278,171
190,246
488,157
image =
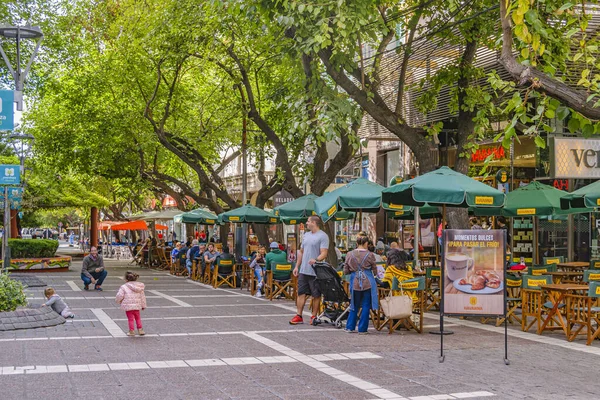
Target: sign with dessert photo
x,y
474,268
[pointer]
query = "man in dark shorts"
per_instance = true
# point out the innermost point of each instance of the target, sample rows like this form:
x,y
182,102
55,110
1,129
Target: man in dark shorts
x,y
315,244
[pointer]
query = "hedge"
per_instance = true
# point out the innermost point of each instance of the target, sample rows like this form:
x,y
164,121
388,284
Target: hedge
x,y
11,294
25,248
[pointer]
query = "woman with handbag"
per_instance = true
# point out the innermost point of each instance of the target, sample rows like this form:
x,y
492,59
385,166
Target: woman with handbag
x,y
361,266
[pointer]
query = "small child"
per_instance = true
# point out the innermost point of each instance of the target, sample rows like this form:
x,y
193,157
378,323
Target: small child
x,y
57,303
132,299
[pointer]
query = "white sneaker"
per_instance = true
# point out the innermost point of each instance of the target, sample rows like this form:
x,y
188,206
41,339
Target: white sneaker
x,y
258,294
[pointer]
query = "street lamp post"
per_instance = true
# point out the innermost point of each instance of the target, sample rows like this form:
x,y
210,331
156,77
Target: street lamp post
x,y
20,33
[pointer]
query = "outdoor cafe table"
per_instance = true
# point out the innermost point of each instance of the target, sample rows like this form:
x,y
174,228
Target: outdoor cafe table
x,y
556,295
566,276
573,265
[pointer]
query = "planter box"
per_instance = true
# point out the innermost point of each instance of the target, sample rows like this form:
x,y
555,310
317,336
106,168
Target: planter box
x,y
45,264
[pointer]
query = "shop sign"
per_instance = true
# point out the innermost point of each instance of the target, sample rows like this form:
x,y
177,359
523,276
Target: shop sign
x,y
502,176
282,197
561,184
483,152
574,158
474,272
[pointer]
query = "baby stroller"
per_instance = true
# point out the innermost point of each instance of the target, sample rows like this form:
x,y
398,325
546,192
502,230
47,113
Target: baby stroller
x,y
335,299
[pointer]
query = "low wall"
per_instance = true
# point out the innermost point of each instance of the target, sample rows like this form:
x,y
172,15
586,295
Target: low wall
x,y
44,264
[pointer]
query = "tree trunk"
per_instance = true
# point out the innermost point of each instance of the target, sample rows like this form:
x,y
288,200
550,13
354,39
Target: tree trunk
x,y
329,229
261,233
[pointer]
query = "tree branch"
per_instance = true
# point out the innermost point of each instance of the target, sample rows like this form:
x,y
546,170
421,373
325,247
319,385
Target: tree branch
x,y
529,76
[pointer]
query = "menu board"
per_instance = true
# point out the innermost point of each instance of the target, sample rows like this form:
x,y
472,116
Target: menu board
x,y
474,272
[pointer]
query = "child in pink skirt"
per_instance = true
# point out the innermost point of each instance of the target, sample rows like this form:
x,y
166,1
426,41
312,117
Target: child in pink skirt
x,y
132,299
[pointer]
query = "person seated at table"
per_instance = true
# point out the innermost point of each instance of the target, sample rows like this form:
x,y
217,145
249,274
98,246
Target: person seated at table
x,y
275,256
225,255
175,252
394,245
210,256
397,267
257,265
189,255
199,257
412,242
372,249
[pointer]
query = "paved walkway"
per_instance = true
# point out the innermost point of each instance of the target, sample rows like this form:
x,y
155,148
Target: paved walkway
x,y
203,343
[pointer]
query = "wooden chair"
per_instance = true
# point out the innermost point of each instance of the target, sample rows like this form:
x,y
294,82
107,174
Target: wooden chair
x,y
165,262
591,276
415,321
432,288
595,263
538,270
224,273
207,277
279,281
377,316
553,260
425,259
583,314
532,300
513,299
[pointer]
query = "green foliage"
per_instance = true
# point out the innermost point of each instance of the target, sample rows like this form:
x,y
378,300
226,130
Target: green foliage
x,y
12,294
25,248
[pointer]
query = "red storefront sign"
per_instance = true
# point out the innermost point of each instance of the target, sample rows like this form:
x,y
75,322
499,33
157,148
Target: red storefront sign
x,y
484,152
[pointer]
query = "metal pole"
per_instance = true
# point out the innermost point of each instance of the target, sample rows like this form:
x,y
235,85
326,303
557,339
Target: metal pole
x,y
5,248
416,244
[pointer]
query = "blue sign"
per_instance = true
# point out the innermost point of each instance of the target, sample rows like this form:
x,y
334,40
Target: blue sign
x,y
14,193
10,174
7,111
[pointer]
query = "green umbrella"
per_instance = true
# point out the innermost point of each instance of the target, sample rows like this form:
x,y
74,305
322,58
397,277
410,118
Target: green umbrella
x,y
408,212
358,195
249,214
536,199
297,211
198,216
440,188
302,207
587,196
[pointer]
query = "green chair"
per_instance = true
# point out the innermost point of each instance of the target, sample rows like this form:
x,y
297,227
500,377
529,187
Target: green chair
x,y
541,269
224,273
432,290
591,276
595,263
583,314
532,301
410,286
553,260
280,281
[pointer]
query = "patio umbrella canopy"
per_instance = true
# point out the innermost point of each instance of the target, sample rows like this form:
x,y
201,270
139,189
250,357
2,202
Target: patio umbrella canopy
x,y
297,211
587,196
302,207
136,226
442,187
249,214
164,215
198,216
536,199
358,195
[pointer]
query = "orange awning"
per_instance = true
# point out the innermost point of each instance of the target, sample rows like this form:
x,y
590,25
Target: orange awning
x,y
105,225
136,226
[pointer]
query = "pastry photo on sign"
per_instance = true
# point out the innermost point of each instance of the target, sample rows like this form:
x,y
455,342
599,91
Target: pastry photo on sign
x,y
474,265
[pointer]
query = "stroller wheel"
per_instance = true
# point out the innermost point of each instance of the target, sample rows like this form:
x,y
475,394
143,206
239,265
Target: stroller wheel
x,y
338,324
316,321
